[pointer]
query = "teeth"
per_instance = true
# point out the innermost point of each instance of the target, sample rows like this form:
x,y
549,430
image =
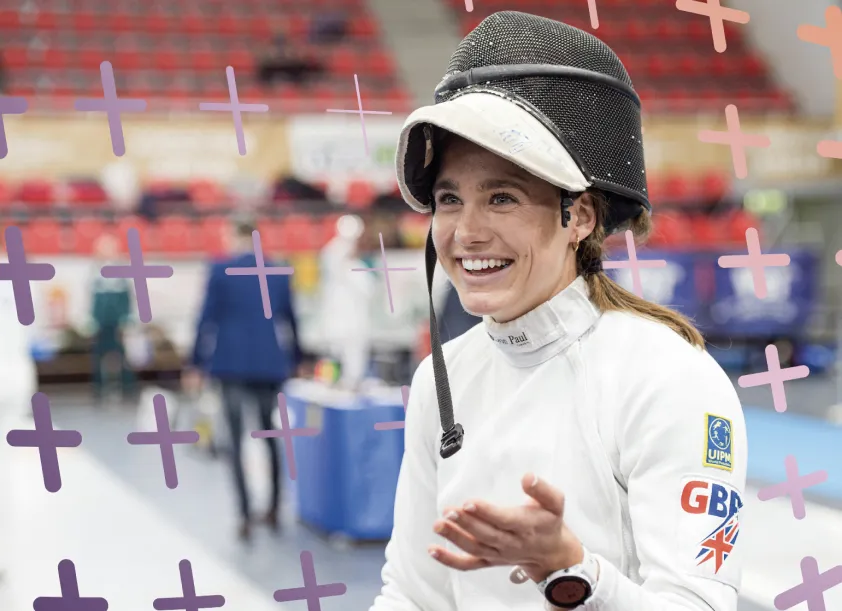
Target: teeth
x,y
478,264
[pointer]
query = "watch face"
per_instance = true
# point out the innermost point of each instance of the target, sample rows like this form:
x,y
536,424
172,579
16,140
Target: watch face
x,y
568,591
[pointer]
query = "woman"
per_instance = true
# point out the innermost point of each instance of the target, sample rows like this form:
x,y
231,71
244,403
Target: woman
x,y
599,457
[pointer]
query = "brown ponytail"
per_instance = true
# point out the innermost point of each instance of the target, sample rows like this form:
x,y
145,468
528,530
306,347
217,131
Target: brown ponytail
x,y
606,294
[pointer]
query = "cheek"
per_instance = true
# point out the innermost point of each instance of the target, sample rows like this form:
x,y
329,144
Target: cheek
x,y
442,235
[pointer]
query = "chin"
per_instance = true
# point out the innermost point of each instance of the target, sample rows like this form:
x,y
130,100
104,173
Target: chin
x,y
483,304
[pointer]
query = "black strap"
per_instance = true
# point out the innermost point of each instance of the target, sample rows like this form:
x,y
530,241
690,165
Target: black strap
x,y
451,440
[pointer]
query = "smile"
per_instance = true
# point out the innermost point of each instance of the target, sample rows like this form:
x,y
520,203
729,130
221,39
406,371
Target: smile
x,y
484,267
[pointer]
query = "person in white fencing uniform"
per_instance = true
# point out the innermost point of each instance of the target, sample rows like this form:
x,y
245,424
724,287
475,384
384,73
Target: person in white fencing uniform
x,y
578,449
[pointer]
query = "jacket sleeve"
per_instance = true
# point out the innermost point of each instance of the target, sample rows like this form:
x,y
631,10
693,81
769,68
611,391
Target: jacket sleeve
x,y
412,580
682,441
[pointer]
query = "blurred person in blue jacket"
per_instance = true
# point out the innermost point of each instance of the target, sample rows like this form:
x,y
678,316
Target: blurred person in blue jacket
x,y
250,356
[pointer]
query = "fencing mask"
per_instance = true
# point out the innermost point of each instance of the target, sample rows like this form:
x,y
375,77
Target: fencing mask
x,y
549,97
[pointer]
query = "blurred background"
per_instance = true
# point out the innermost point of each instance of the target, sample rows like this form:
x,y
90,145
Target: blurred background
x,y
324,199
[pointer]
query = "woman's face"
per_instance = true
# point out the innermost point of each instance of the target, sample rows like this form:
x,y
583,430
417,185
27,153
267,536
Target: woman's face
x,y
497,230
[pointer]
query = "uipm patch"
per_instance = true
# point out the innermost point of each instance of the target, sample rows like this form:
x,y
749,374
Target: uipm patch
x,y
717,442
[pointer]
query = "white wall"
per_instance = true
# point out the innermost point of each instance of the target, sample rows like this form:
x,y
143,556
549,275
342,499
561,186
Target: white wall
x,y
803,68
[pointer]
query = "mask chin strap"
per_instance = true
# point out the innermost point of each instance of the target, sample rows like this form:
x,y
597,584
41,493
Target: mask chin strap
x,y
451,440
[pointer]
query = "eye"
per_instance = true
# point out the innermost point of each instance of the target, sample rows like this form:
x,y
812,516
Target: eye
x,y
502,199
445,199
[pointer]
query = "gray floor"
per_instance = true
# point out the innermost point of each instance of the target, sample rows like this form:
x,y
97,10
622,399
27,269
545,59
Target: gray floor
x,y
203,505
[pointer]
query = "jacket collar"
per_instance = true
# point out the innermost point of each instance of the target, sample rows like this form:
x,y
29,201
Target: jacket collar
x,y
547,330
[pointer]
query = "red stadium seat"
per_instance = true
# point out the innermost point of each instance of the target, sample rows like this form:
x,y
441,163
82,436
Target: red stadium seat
x,y
36,192
43,237
707,230
737,223
85,232
177,235
213,235
360,194
147,231
669,230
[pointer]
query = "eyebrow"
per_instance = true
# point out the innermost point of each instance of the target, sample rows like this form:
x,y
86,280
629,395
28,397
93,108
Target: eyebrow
x,y
486,185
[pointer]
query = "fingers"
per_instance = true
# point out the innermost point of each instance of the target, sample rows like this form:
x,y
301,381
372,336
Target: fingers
x,y
550,498
464,540
483,532
504,518
459,562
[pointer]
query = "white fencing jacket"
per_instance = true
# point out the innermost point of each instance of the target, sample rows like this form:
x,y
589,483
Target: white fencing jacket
x,y
642,432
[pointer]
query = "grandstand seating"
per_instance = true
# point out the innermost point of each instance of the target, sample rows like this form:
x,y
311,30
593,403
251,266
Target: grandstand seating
x,y
668,53
180,49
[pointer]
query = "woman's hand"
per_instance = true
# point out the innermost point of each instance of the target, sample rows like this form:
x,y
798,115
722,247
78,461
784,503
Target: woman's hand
x,y
533,535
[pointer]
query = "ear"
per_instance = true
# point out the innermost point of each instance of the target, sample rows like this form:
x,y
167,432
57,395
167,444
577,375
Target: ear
x,y
583,215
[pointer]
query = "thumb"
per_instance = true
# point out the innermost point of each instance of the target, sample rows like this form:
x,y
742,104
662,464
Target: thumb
x,y
549,497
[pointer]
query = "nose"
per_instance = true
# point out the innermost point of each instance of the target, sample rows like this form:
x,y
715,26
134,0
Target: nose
x,y
472,226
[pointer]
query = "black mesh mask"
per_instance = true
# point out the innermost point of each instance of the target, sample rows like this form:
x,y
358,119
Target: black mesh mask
x,y
578,88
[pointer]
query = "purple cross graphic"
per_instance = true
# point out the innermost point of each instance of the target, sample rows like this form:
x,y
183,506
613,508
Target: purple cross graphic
x,y
166,439
793,486
69,599
140,273
812,587
46,439
112,106
9,106
755,261
188,602
311,592
365,112
21,274
385,269
775,377
634,264
287,433
235,108
261,271
395,424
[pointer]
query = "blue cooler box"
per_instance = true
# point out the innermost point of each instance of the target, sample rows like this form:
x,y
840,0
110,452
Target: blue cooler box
x,y
347,474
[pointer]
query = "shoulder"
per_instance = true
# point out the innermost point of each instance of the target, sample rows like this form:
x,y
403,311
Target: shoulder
x,y
654,367
466,351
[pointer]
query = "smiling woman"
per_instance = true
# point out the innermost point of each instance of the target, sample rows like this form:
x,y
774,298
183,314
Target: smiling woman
x,y
583,410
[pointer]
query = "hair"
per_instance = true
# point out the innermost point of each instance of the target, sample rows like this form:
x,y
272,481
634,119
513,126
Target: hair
x,y
606,294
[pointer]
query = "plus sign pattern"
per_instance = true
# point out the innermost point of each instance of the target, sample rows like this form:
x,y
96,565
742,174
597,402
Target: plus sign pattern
x,y
21,274
385,269
188,601
287,434
140,273
112,106
793,487
361,112
261,271
165,438
47,440
70,600
235,108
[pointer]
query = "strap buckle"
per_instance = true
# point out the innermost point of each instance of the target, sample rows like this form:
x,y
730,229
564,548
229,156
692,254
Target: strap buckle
x,y
451,441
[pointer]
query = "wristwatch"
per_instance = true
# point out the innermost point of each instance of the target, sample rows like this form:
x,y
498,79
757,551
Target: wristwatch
x,y
573,586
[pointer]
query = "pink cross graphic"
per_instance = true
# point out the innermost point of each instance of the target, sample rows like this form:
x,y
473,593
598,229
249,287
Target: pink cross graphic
x,y
287,433
469,6
736,139
830,148
593,15
839,257
812,587
395,424
774,377
717,14
634,264
830,37
362,112
793,487
386,269
755,261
